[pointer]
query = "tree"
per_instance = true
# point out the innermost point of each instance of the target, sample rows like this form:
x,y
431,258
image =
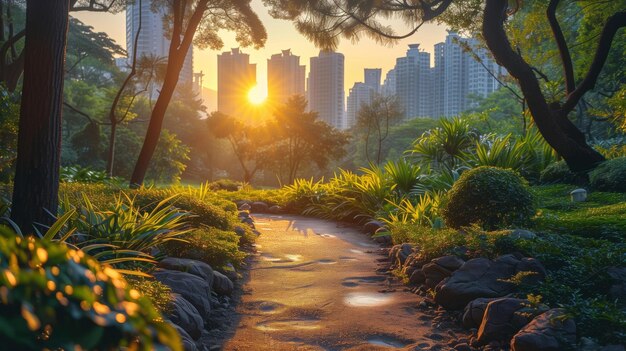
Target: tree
x,y
183,19
248,142
374,121
324,22
36,184
300,138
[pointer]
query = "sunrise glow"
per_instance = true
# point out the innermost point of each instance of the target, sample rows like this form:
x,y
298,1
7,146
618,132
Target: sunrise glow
x,y
257,96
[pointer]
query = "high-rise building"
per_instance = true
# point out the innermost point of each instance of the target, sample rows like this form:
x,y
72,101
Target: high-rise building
x,y
285,77
413,83
461,76
389,86
152,40
235,77
325,87
360,94
372,78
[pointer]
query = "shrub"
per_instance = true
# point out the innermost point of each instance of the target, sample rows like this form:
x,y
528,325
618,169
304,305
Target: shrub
x,y
557,172
489,196
204,213
225,184
78,174
159,294
210,245
610,176
57,298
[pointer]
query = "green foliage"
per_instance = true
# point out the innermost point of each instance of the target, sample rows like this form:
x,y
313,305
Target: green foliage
x,y
121,235
424,212
557,172
612,148
601,216
404,176
578,280
78,174
303,193
373,124
169,159
213,246
468,243
54,297
351,197
489,196
609,176
159,294
202,212
444,146
9,116
225,184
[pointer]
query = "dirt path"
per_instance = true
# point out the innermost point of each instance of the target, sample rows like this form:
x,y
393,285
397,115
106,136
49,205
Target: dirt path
x,y
314,286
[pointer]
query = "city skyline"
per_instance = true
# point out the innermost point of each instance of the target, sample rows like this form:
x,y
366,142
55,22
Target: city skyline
x,y
281,36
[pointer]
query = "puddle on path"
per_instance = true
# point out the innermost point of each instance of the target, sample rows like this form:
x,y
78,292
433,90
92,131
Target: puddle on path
x,y
294,258
347,259
326,261
386,341
366,299
289,324
356,281
357,251
327,235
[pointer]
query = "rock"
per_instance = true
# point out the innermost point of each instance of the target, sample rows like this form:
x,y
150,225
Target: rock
x,y
193,288
403,253
239,231
372,227
194,267
244,214
417,277
474,312
222,285
393,252
383,237
186,340
503,318
186,316
578,195
613,348
244,205
411,264
259,207
249,221
522,234
276,209
434,274
462,347
617,291
450,262
481,277
547,332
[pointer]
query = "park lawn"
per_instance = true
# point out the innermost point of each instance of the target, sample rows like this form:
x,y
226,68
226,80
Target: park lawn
x,y
602,216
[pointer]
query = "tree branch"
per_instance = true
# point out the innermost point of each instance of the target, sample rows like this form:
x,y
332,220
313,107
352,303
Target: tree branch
x,y
566,59
613,24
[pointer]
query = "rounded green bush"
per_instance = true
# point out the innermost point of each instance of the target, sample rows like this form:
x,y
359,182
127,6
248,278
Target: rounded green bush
x,y
557,172
489,196
53,298
609,176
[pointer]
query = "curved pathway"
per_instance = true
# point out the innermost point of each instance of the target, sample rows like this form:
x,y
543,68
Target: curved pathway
x,y
314,286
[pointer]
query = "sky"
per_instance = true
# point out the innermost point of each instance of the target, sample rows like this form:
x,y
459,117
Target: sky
x,y
282,35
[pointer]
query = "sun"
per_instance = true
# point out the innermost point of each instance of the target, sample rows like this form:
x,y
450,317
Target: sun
x,y
257,96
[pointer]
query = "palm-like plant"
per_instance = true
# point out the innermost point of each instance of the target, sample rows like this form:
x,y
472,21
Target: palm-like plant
x,y
444,147
404,175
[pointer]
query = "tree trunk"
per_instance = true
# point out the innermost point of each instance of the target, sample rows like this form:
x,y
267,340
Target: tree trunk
x,y
36,187
111,150
553,124
179,47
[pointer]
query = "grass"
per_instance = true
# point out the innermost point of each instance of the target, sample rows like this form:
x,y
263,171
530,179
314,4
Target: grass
x,y
603,215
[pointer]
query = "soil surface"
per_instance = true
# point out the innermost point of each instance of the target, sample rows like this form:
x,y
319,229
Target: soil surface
x,y
315,286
